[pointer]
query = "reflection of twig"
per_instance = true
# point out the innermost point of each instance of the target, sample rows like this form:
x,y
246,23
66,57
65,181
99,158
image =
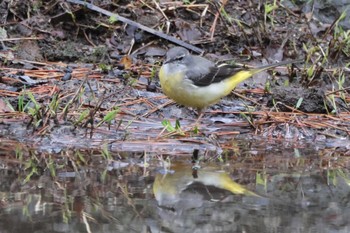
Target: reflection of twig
x,y
124,189
140,26
87,225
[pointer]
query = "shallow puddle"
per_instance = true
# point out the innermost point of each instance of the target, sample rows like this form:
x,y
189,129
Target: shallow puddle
x,y
253,186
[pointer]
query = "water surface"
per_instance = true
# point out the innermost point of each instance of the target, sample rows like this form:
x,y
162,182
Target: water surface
x,y
253,186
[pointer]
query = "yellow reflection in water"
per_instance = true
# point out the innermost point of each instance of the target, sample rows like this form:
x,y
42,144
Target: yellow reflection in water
x,y
168,188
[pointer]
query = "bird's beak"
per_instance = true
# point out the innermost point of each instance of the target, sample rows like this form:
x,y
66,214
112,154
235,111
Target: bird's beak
x,y
168,60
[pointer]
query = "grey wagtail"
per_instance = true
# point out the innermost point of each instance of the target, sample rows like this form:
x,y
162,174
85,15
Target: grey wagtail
x,y
196,82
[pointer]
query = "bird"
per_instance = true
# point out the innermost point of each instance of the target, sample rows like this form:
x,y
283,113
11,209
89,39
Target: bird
x,y
170,186
197,82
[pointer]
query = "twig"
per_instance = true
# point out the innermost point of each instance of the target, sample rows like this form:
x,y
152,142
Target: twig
x,y
22,38
164,15
157,108
245,98
88,39
144,46
212,29
135,24
336,91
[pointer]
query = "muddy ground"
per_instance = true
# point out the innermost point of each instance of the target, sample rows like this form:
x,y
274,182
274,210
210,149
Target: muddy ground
x,y
71,76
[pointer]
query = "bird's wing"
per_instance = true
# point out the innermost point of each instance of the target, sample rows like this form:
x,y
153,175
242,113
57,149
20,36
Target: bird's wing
x,y
211,74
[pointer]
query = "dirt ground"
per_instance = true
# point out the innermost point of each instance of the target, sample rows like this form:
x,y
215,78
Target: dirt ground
x,y
68,70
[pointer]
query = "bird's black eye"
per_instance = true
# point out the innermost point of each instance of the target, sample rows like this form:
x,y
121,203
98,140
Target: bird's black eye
x,y
180,57
176,58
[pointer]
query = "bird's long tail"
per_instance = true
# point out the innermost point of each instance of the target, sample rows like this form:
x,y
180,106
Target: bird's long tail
x,y
267,67
244,74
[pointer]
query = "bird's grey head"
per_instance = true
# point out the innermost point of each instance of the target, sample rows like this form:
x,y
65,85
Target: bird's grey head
x,y
176,54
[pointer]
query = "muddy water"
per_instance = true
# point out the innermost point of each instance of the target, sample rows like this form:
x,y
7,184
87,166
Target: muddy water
x,y
255,186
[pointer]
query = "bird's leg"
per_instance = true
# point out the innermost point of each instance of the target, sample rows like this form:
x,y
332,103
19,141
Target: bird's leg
x,y
200,115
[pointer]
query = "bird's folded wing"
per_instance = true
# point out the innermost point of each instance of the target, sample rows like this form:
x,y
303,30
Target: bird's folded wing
x,y
212,74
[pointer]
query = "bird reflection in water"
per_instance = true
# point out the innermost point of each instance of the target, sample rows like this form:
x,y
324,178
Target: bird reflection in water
x,y
182,187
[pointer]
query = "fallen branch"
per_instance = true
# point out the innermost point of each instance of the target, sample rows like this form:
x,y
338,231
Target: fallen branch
x,y
135,24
